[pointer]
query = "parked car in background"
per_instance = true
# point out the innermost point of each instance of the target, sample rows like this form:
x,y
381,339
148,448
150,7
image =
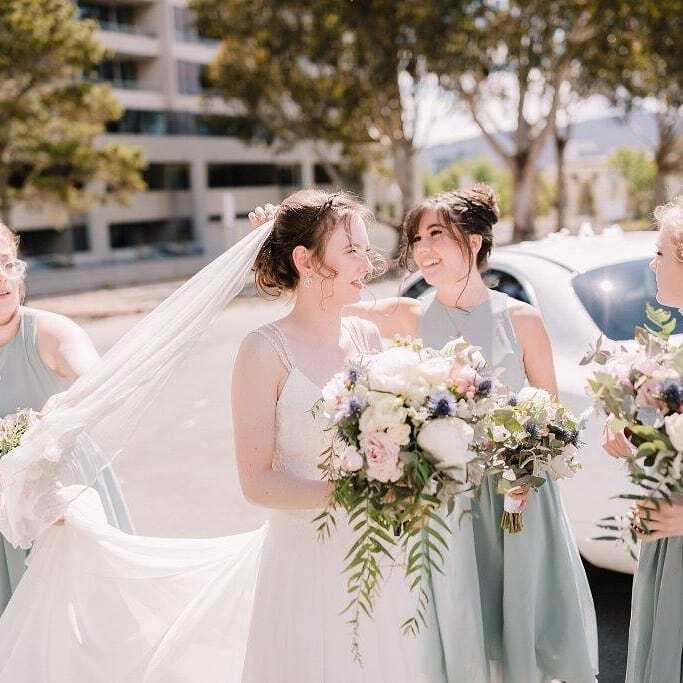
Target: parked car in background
x,y
585,286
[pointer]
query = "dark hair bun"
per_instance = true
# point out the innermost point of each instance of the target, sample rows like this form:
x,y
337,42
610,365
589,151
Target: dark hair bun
x,y
481,200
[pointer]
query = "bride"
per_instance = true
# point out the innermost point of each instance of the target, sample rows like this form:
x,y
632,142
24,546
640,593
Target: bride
x,y
97,604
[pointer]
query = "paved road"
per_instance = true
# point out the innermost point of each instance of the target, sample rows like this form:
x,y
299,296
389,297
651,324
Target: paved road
x,y
185,483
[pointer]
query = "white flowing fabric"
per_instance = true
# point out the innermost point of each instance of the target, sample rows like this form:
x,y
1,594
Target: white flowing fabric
x,y
100,416
102,606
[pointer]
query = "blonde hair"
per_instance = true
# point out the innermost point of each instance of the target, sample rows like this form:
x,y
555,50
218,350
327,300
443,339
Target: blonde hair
x,y
10,237
669,219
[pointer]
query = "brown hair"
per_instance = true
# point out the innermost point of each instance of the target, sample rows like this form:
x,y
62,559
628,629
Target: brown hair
x,y
305,218
472,211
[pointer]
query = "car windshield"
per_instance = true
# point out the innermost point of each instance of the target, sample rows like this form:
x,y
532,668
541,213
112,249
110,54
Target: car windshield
x,y
615,297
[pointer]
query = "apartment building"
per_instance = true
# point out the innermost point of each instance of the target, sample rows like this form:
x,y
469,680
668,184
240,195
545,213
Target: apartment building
x,y
202,180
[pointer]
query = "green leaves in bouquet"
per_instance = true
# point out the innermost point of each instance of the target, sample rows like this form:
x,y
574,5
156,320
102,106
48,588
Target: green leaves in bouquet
x,y
596,354
12,429
663,323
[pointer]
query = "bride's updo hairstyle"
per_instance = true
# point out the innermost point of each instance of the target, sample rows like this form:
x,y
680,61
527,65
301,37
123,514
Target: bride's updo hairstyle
x,y
669,218
305,218
472,211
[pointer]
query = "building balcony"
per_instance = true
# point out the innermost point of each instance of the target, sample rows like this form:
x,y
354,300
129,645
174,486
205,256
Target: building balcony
x,y
124,43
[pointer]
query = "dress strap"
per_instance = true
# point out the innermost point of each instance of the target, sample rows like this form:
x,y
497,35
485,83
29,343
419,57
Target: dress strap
x,y
277,340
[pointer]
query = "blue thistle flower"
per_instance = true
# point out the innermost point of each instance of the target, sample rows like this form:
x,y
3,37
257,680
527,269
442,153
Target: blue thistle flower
x,y
565,434
355,408
533,430
671,392
512,401
484,387
442,404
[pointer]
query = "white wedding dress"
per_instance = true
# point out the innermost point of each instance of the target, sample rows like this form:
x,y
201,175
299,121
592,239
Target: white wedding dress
x,y
101,606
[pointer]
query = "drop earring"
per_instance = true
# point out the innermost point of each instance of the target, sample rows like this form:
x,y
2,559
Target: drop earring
x,y
308,281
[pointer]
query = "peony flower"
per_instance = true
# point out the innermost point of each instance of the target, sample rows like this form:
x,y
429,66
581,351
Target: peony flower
x,y
434,371
674,428
447,440
646,396
351,460
381,453
539,398
393,370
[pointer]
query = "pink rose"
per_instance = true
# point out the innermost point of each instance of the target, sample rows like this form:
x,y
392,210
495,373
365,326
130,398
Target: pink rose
x,y
381,453
646,394
464,380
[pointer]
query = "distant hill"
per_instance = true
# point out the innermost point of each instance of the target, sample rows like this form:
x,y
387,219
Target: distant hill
x,y
591,138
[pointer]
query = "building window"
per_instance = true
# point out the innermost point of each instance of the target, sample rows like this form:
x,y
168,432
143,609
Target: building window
x,y
242,175
121,74
151,233
167,177
193,78
321,176
51,241
289,176
186,27
139,121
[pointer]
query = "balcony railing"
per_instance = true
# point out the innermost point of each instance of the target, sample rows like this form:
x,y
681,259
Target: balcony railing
x,y
126,28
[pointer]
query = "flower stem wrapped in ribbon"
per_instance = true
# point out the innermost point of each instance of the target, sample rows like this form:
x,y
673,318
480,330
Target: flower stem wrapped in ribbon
x,y
528,437
403,426
641,391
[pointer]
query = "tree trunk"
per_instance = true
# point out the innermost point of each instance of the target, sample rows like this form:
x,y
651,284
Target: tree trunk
x,y
405,171
665,153
5,203
524,199
561,140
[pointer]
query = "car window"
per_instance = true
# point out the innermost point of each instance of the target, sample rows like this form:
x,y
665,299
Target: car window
x,y
615,296
494,278
506,283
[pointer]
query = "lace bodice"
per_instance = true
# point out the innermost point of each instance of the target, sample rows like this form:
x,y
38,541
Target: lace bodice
x,y
300,438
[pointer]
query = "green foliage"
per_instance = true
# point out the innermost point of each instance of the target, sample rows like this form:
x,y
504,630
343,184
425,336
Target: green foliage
x,y
639,171
50,117
483,170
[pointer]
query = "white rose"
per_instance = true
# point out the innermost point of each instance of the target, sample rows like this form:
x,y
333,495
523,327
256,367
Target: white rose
x,y
434,371
563,466
400,434
351,459
383,411
539,397
674,428
448,440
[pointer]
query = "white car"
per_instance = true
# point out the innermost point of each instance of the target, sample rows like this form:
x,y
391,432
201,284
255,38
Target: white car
x,y
584,286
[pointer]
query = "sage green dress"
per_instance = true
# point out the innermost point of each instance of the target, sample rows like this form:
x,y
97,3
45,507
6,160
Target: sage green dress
x,y
26,382
537,610
655,644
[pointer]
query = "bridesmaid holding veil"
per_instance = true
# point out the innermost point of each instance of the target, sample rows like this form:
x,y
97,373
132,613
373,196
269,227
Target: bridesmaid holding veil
x,y
655,648
41,354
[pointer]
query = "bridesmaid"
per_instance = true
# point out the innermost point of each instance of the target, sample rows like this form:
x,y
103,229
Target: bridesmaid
x,y
538,616
655,648
41,353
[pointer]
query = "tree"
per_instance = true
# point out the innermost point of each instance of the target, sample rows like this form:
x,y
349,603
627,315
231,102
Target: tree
x,y
515,56
345,73
51,115
639,171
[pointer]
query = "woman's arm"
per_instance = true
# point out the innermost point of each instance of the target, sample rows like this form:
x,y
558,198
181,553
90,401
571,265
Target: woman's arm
x,y
395,315
257,377
64,346
535,342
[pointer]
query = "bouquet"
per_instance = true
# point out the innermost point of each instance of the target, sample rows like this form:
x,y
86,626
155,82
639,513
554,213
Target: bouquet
x,y
529,435
12,429
402,422
641,391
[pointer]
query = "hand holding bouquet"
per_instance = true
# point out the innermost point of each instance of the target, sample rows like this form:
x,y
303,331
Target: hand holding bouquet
x,y
641,391
403,425
529,435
